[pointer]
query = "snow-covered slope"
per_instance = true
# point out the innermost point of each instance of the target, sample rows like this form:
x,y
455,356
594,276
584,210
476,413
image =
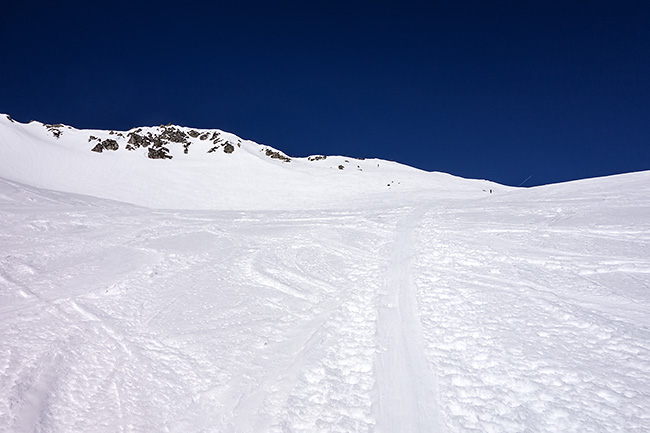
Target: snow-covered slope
x,y
219,170
435,308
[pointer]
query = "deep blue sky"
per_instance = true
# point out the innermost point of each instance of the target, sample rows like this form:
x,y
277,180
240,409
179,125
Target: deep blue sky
x,y
482,89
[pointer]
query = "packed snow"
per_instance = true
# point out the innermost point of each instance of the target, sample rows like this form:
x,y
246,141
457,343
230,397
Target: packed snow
x,y
234,292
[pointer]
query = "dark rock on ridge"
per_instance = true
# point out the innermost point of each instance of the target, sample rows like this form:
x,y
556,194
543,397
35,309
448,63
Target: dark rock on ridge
x,y
159,153
107,144
277,155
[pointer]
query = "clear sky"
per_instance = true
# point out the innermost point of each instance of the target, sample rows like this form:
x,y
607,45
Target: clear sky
x,y
482,89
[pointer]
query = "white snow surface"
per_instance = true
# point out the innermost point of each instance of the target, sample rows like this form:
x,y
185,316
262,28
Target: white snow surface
x,y
238,293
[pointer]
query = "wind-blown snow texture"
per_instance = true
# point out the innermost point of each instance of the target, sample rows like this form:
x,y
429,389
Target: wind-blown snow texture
x,y
339,304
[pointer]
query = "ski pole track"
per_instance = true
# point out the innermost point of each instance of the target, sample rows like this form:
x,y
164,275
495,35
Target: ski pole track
x,y
409,398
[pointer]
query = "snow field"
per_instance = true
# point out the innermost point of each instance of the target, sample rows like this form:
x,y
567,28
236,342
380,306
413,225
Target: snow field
x,y
502,314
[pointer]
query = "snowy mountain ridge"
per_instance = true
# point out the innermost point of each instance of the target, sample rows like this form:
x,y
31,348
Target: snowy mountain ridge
x,y
204,169
156,139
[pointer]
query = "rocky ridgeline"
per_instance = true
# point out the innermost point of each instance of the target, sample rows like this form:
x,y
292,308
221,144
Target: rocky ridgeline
x,y
276,155
158,142
56,129
107,144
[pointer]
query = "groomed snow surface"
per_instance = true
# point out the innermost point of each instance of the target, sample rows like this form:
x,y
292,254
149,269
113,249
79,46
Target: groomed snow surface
x,y
440,308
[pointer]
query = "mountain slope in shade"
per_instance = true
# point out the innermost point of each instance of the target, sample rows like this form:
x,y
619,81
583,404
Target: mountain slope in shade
x,y
205,169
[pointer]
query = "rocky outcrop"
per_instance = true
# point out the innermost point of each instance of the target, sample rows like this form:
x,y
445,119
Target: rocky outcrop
x,y
137,140
156,142
159,153
277,155
168,135
110,144
55,129
107,144
174,135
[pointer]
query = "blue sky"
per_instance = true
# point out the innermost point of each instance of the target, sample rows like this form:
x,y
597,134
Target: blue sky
x,y
494,90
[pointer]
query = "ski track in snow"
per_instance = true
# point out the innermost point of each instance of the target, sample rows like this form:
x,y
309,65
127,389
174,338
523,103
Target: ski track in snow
x,y
502,314
407,388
